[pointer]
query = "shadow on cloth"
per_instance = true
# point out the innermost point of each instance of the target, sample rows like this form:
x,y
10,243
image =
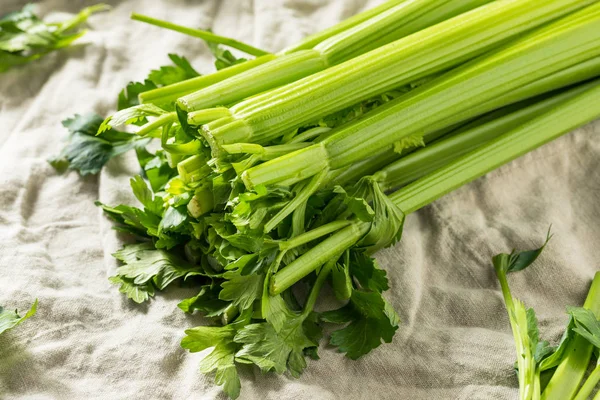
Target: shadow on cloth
x,y
21,373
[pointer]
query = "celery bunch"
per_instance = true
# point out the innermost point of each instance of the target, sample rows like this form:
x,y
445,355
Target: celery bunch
x,y
279,175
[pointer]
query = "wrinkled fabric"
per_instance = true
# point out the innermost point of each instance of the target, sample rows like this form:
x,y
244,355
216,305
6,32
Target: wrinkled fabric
x,y
88,341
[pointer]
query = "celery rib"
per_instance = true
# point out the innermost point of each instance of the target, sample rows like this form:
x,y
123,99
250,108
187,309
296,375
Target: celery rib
x,y
565,43
428,51
558,120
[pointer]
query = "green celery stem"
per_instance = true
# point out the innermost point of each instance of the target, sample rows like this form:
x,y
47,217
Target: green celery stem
x,y
435,105
431,50
157,123
317,286
442,152
579,72
562,119
277,72
570,372
590,384
313,234
311,41
170,93
317,256
204,35
301,197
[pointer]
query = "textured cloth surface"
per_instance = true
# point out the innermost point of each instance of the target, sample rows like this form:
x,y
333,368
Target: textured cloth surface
x,y
88,342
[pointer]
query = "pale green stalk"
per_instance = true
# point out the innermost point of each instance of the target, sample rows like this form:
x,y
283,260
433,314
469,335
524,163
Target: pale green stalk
x,y
563,44
267,116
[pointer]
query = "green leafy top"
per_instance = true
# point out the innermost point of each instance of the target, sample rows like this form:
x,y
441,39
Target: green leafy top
x,y
24,37
10,319
87,152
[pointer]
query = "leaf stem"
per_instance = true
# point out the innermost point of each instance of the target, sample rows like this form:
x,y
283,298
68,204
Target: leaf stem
x,y
204,35
313,234
317,256
162,120
317,286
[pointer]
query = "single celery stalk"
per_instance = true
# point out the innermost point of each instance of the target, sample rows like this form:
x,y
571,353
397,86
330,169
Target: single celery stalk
x,y
379,33
437,48
590,384
557,46
570,372
570,114
398,21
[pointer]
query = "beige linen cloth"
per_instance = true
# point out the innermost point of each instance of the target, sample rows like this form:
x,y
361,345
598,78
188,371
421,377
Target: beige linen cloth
x,y
88,341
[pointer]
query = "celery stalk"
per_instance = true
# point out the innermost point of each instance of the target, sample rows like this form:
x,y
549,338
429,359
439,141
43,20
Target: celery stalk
x,y
398,21
590,384
265,117
466,139
170,93
312,40
562,118
560,45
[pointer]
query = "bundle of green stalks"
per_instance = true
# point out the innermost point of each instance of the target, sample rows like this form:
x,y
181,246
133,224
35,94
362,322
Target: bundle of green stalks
x,y
284,173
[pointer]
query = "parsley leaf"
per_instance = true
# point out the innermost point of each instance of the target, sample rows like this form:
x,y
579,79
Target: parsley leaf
x,y
10,319
137,293
241,290
206,301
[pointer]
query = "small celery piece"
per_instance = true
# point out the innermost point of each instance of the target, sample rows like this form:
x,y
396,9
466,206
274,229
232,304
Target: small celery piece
x,y
204,35
201,204
522,321
193,169
554,47
10,319
569,374
24,37
266,116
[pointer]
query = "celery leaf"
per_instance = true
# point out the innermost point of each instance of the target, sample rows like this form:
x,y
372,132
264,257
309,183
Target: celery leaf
x,y
10,319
